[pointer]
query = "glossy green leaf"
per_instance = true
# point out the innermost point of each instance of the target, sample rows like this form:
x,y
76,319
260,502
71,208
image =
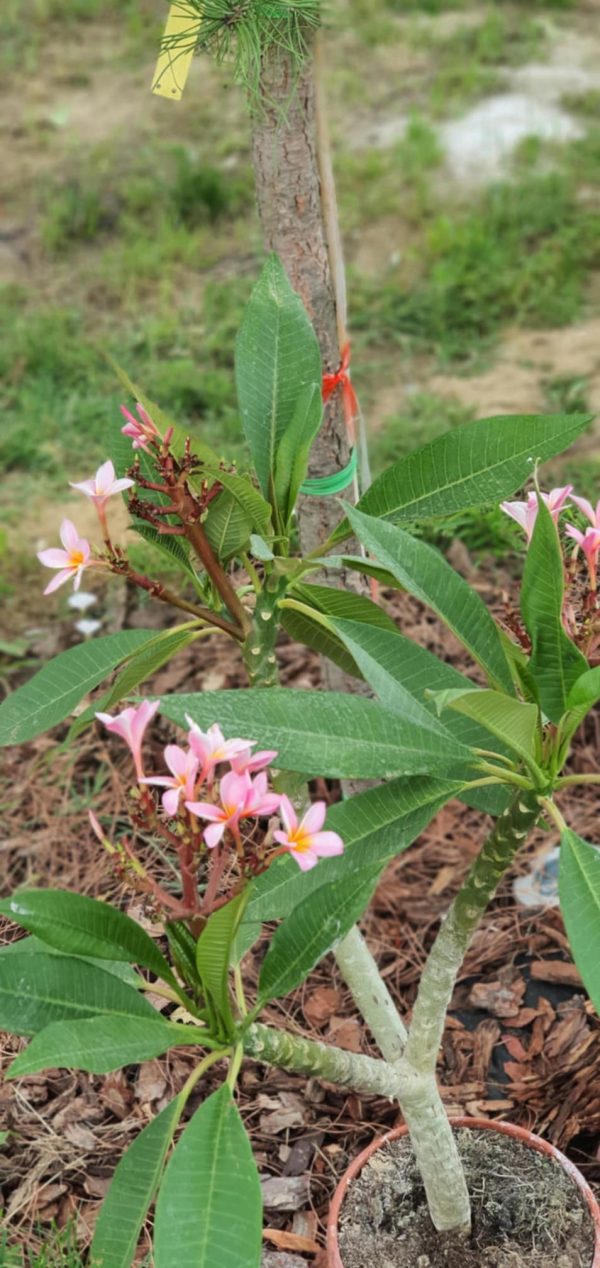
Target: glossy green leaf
x,y
52,693
176,548
250,501
277,358
209,1208
399,670
100,1044
322,733
132,1189
213,954
511,721
312,929
227,526
307,627
344,605
151,657
374,825
556,663
422,570
579,887
479,463
582,697
84,927
293,450
36,990
33,946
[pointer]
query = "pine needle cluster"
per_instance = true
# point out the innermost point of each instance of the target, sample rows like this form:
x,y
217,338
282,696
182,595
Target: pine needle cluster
x,y
241,31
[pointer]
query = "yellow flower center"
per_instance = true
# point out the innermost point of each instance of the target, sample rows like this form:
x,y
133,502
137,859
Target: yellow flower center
x,y
300,840
76,558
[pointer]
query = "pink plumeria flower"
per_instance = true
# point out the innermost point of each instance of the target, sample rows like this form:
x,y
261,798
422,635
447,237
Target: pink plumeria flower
x,y
589,543
103,485
247,762
525,513
182,780
71,561
234,793
304,840
211,747
141,429
259,803
131,724
592,514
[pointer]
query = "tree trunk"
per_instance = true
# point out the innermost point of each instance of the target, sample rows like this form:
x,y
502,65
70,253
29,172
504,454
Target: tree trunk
x,y
288,188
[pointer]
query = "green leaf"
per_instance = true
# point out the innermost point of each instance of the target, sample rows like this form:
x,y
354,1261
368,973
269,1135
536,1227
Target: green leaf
x,y
277,358
579,887
310,629
84,927
213,954
478,463
101,1044
139,667
422,570
38,989
260,548
34,945
312,929
556,663
394,665
584,694
511,721
175,547
374,825
291,461
54,691
209,1209
344,605
249,500
322,733
227,526
131,1191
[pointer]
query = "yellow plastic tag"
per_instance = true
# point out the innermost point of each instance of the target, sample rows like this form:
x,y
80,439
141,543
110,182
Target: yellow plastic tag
x,y
178,45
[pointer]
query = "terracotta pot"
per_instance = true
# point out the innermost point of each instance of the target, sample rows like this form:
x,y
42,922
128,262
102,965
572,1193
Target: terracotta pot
x,y
527,1138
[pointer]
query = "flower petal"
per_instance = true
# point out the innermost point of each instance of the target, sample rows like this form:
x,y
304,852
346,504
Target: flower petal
x,y
327,844
213,834
54,557
314,818
59,580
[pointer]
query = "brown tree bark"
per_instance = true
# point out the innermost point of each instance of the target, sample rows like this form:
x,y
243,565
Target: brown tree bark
x,y
288,188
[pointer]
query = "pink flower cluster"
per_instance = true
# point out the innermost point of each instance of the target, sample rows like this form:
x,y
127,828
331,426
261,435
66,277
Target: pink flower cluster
x,y
241,793
525,514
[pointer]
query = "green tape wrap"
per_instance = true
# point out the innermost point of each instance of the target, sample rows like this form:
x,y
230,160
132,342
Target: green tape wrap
x,y
326,486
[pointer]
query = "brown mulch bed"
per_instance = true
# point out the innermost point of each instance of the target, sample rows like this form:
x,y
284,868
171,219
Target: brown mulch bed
x,y
522,1041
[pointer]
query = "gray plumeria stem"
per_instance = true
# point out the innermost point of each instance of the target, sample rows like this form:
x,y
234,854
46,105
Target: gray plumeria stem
x,y
421,1104
370,994
309,1057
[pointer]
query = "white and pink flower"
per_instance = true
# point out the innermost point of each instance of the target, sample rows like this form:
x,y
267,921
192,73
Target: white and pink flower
x,y
240,798
592,513
141,429
130,725
589,543
305,840
525,513
211,747
182,780
247,762
71,561
103,485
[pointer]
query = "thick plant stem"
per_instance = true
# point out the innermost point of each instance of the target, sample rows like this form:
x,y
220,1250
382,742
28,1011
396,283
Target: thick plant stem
x,y
259,647
370,994
309,1057
448,952
421,1104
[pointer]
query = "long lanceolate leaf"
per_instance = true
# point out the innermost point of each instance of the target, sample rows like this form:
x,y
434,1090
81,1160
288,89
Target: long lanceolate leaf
x,y
51,695
328,733
101,1044
36,990
556,663
312,929
580,906
209,1208
423,571
277,359
478,463
84,927
131,1191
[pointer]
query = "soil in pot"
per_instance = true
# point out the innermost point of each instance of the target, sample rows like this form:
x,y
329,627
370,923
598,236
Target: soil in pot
x,y
527,1213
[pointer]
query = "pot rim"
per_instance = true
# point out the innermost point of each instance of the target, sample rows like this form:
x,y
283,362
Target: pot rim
x,y
522,1134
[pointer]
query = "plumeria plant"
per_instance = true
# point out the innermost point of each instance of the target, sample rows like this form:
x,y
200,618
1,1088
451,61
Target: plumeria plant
x,y
224,837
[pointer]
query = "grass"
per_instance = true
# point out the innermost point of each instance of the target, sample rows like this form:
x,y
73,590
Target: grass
x,y
471,59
